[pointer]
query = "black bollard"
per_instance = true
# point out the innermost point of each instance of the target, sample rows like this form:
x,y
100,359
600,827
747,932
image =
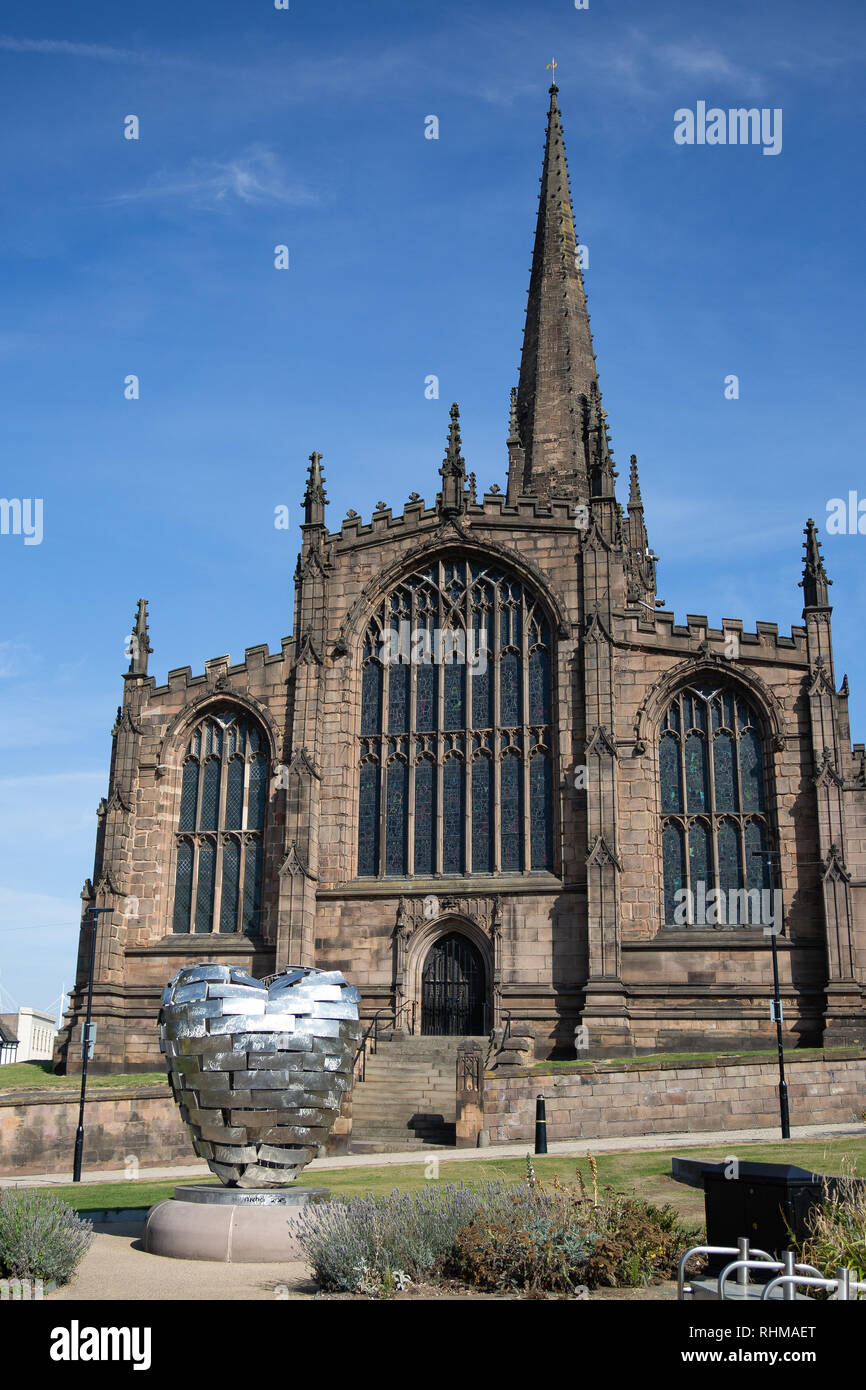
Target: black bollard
x,y
540,1126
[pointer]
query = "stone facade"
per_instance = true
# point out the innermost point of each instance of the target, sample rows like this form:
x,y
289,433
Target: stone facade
x,y
583,940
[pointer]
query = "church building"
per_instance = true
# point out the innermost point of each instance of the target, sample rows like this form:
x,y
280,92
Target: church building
x,y
487,777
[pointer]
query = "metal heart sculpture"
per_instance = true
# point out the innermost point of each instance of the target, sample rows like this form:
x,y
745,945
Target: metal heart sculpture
x,y
258,1067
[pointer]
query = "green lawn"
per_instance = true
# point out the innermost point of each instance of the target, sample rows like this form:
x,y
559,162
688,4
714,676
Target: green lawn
x,y
38,1076
646,1172
686,1058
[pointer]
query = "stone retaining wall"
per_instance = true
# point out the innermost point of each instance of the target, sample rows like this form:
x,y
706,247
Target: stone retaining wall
x,y
610,1101
37,1130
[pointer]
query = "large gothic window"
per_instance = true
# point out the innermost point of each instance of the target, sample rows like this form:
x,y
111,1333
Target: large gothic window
x,y
715,823
218,880
455,744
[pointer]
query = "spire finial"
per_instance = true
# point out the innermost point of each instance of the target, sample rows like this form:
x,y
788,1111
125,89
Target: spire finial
x,y
139,642
552,66
453,470
314,497
453,460
601,470
815,584
634,498
513,426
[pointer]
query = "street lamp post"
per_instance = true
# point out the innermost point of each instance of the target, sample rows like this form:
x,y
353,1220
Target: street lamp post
x,y
768,855
79,1133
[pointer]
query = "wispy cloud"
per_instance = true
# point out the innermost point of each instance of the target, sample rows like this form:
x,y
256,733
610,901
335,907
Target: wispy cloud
x,y
697,60
12,654
654,65
65,48
254,178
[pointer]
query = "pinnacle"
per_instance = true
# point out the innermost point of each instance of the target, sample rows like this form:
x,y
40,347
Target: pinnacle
x,y
815,584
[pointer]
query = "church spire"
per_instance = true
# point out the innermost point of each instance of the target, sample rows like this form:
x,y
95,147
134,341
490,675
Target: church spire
x,y
815,584
557,369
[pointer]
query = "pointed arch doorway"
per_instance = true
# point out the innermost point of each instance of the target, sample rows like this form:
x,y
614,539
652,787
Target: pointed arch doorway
x,y
454,988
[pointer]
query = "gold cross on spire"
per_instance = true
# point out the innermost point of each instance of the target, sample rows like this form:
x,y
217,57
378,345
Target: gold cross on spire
x,y
553,65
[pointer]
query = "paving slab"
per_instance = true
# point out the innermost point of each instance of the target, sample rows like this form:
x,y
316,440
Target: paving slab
x,y
116,1268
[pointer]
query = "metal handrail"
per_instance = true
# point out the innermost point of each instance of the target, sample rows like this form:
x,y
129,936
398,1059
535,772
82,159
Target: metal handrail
x,y
373,1029
843,1283
741,1250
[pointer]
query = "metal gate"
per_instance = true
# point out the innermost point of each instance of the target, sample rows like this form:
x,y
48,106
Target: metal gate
x,y
453,989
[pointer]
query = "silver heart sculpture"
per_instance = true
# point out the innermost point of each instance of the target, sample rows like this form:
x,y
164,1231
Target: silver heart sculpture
x,y
258,1067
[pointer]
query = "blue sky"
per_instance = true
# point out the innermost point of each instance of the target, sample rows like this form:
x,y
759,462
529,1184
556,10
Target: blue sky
x,y
408,257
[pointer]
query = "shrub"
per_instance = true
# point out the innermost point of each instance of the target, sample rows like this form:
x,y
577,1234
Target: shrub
x,y
559,1241
496,1236
41,1237
372,1244
836,1230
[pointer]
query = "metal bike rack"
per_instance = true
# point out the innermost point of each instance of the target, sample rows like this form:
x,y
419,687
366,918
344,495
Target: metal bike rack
x,y
743,1254
746,1290
843,1284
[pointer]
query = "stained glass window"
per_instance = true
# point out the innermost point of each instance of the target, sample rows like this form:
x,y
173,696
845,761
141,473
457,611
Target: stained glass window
x,y
368,820
730,859
539,687
512,813
482,680
757,866
540,827
674,857
258,792
224,786
480,664
426,687
425,816
206,884
371,698
398,699
751,771
453,815
697,782
700,857
509,690
189,795
210,798
235,795
670,772
231,884
454,673
252,887
482,816
710,741
183,886
723,767
397,821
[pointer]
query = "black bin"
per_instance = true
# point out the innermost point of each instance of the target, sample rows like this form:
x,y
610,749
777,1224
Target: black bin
x,y
765,1201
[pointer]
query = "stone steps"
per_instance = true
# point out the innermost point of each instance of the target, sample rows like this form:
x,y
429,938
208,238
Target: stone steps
x,y
408,1097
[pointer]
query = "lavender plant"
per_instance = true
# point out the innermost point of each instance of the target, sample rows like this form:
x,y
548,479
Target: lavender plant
x,y
41,1237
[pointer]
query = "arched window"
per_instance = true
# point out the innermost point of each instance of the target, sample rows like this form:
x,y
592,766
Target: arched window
x,y
715,824
455,744
218,879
